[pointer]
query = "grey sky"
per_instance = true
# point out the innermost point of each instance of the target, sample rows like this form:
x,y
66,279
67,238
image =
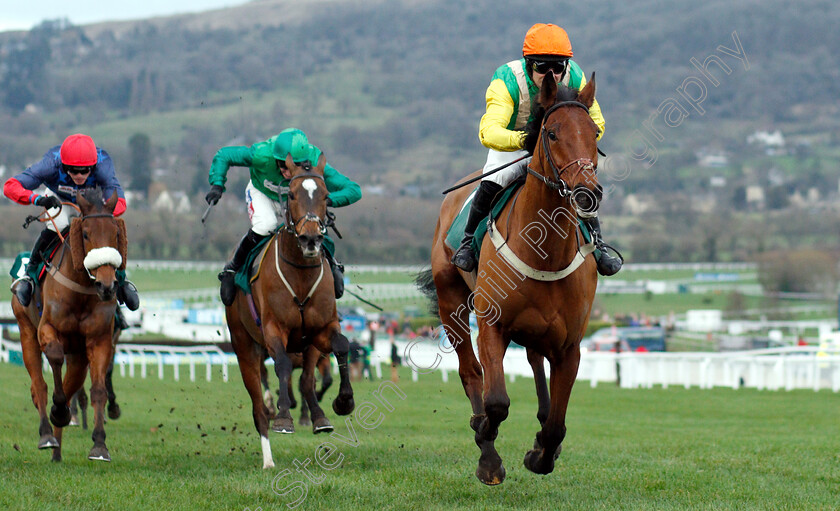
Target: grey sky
x,y
17,15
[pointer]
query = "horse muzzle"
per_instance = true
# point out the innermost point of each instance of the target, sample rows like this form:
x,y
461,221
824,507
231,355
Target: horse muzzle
x,y
310,245
586,201
104,291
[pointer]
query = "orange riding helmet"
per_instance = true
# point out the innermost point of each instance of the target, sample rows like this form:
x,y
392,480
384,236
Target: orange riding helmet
x,y
547,41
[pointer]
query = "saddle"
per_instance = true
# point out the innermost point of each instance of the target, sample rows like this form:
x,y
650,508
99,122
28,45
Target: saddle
x,y
456,229
22,260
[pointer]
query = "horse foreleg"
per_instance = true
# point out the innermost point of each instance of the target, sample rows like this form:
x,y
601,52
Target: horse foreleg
x,y
100,353
250,357
32,360
114,411
320,423
343,404
537,363
74,379
283,422
52,348
491,349
547,445
326,376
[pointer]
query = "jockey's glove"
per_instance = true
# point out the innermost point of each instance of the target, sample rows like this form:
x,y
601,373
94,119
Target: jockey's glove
x,y
48,201
214,195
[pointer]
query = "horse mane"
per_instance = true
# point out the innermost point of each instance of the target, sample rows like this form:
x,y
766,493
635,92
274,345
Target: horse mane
x,y
532,129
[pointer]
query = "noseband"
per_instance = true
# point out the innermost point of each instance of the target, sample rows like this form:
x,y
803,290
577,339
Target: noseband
x,y
583,163
291,224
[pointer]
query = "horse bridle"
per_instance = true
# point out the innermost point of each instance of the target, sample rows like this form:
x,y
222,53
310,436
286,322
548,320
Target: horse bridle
x,y
291,223
584,163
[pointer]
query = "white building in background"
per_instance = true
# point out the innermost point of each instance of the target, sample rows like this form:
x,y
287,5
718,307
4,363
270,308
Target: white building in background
x,y
704,320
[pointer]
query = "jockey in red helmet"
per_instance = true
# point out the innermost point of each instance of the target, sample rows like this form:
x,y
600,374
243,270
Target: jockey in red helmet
x,y
65,170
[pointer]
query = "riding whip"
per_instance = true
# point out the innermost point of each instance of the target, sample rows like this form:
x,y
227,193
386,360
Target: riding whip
x,y
476,178
207,212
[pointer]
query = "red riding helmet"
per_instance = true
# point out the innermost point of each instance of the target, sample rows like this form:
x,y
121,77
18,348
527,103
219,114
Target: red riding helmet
x,y
78,151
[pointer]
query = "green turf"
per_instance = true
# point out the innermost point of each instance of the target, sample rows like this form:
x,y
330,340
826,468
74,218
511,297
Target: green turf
x,y
182,445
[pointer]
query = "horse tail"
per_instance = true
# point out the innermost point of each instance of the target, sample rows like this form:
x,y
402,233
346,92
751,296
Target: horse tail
x,y
426,284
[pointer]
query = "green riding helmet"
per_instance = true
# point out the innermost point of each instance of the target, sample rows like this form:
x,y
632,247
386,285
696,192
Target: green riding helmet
x,y
293,141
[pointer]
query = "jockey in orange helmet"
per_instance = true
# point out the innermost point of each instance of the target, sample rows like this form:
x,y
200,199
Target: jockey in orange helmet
x,y
509,97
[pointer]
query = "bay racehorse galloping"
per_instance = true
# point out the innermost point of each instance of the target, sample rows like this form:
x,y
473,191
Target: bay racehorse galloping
x,y
78,303
535,281
294,311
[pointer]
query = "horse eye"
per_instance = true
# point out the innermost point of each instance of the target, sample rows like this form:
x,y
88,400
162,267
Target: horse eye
x,y
552,135
84,235
291,196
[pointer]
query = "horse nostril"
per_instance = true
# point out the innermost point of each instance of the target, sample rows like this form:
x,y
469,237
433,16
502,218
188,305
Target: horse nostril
x,y
586,200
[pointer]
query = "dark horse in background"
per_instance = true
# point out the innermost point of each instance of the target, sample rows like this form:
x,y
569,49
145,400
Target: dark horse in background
x,y
536,294
294,305
79,402
76,325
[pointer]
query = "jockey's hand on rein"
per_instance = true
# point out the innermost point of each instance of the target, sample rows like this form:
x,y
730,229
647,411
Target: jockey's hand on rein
x,y
214,195
48,201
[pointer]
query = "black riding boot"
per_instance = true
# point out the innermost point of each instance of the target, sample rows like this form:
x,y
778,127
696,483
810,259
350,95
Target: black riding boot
x,y
464,257
607,264
338,275
127,294
24,287
228,287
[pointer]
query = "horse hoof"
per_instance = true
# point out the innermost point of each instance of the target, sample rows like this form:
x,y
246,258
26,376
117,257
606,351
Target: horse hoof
x,y
60,419
343,406
73,421
114,411
491,477
322,425
283,425
56,456
305,421
99,453
536,463
47,442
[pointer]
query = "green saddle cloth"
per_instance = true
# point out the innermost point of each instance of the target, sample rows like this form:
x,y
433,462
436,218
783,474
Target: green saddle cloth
x,y
245,274
456,231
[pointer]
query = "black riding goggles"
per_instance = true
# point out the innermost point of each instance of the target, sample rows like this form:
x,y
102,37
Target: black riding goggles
x,y
76,170
543,67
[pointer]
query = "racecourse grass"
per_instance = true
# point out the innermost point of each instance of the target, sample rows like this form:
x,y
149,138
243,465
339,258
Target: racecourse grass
x,y
184,445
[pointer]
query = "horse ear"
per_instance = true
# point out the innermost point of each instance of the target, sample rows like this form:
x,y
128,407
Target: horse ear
x,y
290,163
77,244
587,95
111,203
322,163
548,91
83,203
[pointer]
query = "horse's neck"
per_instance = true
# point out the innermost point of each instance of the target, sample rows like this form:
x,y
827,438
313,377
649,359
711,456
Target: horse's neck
x,y
542,229
65,265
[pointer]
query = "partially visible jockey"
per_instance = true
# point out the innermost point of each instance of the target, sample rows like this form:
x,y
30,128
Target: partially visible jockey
x,y
266,193
513,89
65,170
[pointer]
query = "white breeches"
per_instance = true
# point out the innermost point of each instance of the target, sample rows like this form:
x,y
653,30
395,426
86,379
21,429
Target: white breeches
x,y
496,159
263,211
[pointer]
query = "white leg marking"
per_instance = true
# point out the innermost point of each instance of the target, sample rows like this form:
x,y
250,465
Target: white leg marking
x,y
268,461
